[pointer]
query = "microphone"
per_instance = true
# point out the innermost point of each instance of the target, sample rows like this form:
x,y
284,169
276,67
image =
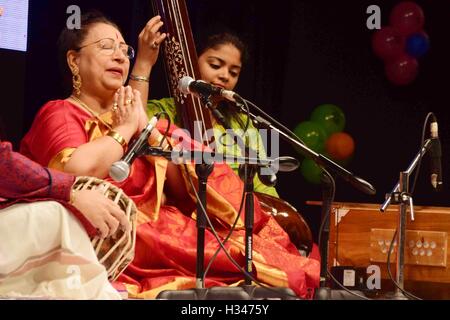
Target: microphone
x,y
187,85
284,164
287,164
120,170
270,179
435,156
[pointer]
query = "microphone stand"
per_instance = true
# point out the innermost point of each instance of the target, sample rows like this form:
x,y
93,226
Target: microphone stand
x,y
250,172
400,195
247,173
248,176
203,170
324,292
247,291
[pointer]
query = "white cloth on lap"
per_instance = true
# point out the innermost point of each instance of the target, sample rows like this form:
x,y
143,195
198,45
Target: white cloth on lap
x,y
45,252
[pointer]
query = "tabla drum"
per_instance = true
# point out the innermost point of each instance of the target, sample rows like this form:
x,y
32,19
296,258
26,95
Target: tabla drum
x,y
115,252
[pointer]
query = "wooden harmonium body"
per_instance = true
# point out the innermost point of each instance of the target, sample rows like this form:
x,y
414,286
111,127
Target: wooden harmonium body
x,y
361,235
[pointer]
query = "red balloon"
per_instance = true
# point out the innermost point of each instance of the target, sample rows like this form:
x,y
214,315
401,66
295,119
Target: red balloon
x,y
340,146
388,43
407,17
402,71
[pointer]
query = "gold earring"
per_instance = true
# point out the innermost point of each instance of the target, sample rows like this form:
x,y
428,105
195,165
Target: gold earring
x,y
76,80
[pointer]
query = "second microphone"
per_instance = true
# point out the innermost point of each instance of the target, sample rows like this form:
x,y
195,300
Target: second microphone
x,y
120,170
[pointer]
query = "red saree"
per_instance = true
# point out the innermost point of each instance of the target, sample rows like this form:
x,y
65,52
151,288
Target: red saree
x,y
165,256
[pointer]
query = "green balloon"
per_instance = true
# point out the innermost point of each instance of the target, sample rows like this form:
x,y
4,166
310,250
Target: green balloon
x,y
330,116
312,134
311,171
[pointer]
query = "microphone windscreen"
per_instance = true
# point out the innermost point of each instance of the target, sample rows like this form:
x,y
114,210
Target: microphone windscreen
x,y
287,164
119,171
183,84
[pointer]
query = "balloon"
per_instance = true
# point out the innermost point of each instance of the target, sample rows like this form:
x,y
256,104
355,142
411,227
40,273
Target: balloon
x,y
330,117
402,71
417,44
312,134
311,171
340,146
408,17
388,43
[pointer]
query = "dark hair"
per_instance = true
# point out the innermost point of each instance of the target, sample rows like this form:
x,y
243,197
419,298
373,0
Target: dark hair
x,y
213,42
71,39
216,40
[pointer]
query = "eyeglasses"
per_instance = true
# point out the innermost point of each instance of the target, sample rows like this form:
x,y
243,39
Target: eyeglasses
x,y
109,46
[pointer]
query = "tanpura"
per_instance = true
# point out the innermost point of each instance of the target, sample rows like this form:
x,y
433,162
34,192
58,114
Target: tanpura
x,y
180,59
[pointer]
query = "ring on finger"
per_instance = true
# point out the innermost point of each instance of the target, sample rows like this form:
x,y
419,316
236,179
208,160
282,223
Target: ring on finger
x,y
155,45
128,101
115,107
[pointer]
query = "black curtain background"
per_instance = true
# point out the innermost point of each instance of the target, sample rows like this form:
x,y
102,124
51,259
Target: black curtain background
x,y
303,54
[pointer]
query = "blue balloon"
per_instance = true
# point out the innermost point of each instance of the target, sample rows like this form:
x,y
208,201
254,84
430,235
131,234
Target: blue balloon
x,y
417,44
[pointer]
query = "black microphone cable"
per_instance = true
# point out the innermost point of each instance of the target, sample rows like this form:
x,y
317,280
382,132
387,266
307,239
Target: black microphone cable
x,y
232,229
245,129
295,137
222,246
169,123
422,142
242,146
321,230
211,226
405,292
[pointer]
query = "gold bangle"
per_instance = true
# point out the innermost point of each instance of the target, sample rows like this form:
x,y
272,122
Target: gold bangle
x,y
72,196
139,78
116,136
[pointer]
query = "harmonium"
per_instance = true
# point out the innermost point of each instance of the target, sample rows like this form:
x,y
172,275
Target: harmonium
x,y
361,235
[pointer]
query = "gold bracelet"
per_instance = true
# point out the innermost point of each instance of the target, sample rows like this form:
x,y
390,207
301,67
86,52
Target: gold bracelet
x,y
116,136
139,78
72,196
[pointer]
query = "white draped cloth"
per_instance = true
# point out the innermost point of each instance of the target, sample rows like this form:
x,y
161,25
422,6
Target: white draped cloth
x,y
46,253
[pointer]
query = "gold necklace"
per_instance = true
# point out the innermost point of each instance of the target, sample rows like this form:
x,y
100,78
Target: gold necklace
x,y
95,114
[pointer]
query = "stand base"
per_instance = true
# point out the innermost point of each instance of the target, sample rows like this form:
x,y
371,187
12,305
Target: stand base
x,y
229,293
325,293
397,295
259,293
